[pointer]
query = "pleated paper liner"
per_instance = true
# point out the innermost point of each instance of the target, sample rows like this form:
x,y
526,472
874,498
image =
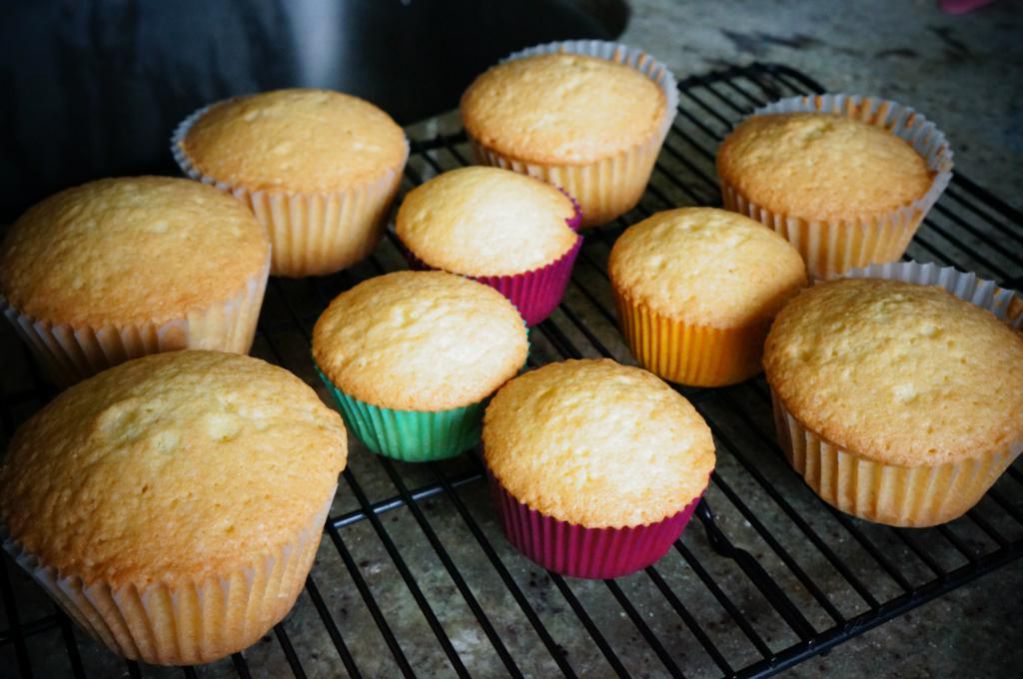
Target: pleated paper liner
x,y
188,622
686,353
410,435
914,497
830,247
312,233
70,353
612,186
580,552
920,496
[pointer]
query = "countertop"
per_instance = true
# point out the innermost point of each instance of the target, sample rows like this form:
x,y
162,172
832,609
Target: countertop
x,y
957,71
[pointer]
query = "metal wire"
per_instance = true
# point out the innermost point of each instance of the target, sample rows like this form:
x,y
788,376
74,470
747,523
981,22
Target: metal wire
x,y
761,557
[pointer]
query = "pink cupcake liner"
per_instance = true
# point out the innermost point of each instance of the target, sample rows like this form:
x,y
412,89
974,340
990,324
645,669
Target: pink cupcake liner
x,y
534,293
580,552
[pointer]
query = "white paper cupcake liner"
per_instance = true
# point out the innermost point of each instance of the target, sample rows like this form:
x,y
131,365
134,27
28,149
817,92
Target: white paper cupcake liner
x,y
913,497
830,247
189,622
70,353
312,233
920,496
612,186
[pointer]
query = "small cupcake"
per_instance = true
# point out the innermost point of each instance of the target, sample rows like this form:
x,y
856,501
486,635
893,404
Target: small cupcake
x,y
119,268
318,168
898,403
696,290
847,180
511,232
587,116
173,505
596,467
411,358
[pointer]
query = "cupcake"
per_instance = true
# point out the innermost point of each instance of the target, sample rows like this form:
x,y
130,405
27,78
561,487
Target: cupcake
x,y
411,358
318,168
898,403
587,116
696,290
173,505
511,232
596,467
119,268
847,180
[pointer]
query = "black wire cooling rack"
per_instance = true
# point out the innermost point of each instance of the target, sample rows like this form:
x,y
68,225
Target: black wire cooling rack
x,y
414,576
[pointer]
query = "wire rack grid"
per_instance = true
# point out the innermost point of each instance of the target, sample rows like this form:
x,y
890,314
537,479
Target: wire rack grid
x,y
414,576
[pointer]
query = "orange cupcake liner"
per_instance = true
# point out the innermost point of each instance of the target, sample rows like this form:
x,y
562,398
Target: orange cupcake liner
x,y
830,247
612,186
312,233
914,497
686,353
69,353
191,622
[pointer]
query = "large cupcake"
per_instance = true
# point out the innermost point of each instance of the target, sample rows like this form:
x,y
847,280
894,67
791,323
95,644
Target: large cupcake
x,y
511,232
318,168
596,467
587,116
897,402
118,268
847,180
173,505
411,358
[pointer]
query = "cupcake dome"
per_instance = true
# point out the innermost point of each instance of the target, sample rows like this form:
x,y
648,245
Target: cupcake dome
x,y
586,116
173,504
562,108
318,168
411,357
509,231
298,139
596,443
921,393
821,166
117,268
696,290
480,221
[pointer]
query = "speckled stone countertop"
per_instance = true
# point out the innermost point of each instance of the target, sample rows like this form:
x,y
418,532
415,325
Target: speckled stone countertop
x,y
956,70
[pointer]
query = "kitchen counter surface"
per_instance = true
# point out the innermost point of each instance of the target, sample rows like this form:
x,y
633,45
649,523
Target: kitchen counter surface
x,y
957,71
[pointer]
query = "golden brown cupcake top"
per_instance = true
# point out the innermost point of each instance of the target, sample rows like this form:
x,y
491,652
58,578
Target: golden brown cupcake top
x,y
706,266
597,443
130,250
171,468
420,340
562,108
485,221
822,166
899,373
295,140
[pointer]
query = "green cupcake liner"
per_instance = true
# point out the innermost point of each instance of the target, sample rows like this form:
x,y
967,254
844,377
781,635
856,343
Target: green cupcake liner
x,y
410,435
